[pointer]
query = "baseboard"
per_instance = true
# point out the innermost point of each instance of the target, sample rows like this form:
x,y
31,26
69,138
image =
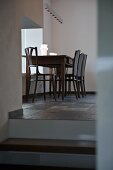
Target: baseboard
x,y
15,113
40,94
31,96
87,92
91,92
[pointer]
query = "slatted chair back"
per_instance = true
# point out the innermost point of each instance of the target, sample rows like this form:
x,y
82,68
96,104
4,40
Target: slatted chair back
x,y
29,53
29,60
83,66
79,66
75,62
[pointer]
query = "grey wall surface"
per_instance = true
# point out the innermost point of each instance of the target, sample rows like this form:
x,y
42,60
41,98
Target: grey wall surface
x,y
78,31
11,13
105,28
105,86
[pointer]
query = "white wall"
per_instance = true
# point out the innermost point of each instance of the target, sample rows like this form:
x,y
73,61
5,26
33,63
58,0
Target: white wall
x,y
78,31
47,26
11,13
47,29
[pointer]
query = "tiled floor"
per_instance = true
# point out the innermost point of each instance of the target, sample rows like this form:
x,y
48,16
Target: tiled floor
x,y
69,109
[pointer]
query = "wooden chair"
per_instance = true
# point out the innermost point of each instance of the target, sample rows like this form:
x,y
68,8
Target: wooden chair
x,y
71,77
37,76
30,77
57,73
80,77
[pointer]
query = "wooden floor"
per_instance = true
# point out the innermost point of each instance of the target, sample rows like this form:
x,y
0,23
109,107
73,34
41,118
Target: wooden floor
x,y
69,109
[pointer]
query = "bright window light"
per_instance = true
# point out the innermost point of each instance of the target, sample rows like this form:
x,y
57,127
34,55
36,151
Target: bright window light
x,y
31,38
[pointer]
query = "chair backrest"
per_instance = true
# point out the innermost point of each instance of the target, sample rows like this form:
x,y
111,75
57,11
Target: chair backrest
x,y
29,53
79,66
75,62
83,65
29,59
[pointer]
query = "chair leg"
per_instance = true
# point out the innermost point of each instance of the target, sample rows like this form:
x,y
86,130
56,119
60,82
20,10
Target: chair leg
x,y
65,87
44,87
69,87
82,88
35,88
68,92
74,85
78,88
50,86
54,87
59,87
27,88
50,80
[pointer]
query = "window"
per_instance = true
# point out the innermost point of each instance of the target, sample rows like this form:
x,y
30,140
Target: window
x,y
31,37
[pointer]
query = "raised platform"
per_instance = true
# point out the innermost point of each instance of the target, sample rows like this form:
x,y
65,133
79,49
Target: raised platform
x,y
83,109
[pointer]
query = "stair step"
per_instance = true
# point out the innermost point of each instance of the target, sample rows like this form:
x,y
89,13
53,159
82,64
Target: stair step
x,y
4,166
49,146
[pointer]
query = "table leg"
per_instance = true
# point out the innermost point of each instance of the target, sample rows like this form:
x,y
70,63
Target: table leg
x,y
63,76
27,82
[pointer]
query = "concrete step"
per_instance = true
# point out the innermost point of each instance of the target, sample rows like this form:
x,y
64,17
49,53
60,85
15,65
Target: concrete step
x,y
48,153
29,167
49,146
52,129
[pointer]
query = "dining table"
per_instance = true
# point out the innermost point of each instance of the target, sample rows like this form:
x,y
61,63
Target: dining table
x,y
53,61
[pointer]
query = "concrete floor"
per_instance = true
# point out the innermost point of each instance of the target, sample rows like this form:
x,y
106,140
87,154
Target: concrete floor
x,y
69,109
